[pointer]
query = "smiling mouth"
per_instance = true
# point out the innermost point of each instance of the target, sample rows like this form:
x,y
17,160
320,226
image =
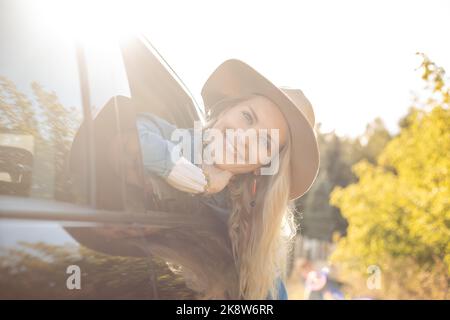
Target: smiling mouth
x,y
232,149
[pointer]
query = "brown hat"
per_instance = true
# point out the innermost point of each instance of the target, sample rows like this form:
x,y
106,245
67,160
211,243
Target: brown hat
x,y
234,79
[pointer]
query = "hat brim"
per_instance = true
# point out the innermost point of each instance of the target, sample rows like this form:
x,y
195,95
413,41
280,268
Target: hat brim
x,y
234,79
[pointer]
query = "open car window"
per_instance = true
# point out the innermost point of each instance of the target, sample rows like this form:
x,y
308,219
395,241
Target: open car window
x,y
44,163
201,251
154,85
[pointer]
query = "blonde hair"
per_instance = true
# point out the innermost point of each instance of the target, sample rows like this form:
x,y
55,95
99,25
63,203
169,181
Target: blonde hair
x,y
261,236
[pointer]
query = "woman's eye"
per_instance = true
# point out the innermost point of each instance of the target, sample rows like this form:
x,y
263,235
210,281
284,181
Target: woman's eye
x,y
248,117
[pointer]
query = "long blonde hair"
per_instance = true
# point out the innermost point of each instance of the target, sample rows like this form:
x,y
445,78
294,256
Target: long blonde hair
x,y
261,235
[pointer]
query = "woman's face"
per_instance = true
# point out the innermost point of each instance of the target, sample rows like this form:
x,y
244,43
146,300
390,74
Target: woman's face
x,y
250,116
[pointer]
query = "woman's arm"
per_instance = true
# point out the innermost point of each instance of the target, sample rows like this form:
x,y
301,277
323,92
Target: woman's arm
x,y
157,149
157,157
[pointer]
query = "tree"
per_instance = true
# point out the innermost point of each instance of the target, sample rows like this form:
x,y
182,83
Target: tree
x,y
399,210
319,219
52,127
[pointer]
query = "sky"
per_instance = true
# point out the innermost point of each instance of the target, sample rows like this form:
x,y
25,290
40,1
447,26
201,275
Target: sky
x,y
354,60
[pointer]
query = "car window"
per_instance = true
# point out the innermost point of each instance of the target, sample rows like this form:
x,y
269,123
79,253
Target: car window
x,y
43,154
154,85
106,71
40,109
108,87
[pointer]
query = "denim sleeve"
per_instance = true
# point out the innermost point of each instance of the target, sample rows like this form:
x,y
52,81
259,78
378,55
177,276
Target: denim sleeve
x,y
156,150
282,292
281,289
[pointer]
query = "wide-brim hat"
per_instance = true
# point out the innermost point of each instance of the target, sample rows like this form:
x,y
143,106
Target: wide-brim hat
x,y
235,79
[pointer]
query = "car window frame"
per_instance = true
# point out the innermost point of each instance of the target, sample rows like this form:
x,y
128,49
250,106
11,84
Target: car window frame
x,y
18,207
23,208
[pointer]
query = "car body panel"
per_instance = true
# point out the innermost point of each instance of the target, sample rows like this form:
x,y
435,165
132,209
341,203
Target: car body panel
x,y
128,244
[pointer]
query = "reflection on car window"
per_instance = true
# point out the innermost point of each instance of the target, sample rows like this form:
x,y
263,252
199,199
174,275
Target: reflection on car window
x,y
106,70
33,269
40,109
40,118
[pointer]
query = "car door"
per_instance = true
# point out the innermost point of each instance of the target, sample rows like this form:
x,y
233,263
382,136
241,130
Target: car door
x,y
182,234
64,232
42,106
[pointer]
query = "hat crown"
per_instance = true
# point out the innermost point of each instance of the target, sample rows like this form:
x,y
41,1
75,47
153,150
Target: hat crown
x,y
301,102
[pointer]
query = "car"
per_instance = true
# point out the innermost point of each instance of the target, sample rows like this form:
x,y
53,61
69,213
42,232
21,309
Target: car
x,y
70,227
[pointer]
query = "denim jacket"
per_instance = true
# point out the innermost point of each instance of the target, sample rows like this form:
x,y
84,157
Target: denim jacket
x,y
154,135
156,146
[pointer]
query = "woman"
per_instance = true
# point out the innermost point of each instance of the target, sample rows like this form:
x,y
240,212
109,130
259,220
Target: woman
x,y
255,206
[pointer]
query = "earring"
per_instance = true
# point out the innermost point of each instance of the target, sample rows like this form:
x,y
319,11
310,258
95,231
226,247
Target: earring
x,y
253,202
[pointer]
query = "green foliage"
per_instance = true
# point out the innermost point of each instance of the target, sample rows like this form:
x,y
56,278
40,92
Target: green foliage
x,y
52,126
319,219
399,209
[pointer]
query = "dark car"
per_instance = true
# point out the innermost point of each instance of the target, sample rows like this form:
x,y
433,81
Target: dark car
x,y
70,226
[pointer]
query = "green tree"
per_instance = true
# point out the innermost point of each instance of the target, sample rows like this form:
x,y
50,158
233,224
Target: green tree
x,y
399,210
52,126
318,219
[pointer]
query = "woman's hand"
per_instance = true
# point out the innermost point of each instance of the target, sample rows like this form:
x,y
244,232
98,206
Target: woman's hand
x,y
217,178
187,177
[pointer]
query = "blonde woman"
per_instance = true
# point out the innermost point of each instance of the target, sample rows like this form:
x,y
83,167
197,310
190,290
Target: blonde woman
x,y
255,206
253,202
